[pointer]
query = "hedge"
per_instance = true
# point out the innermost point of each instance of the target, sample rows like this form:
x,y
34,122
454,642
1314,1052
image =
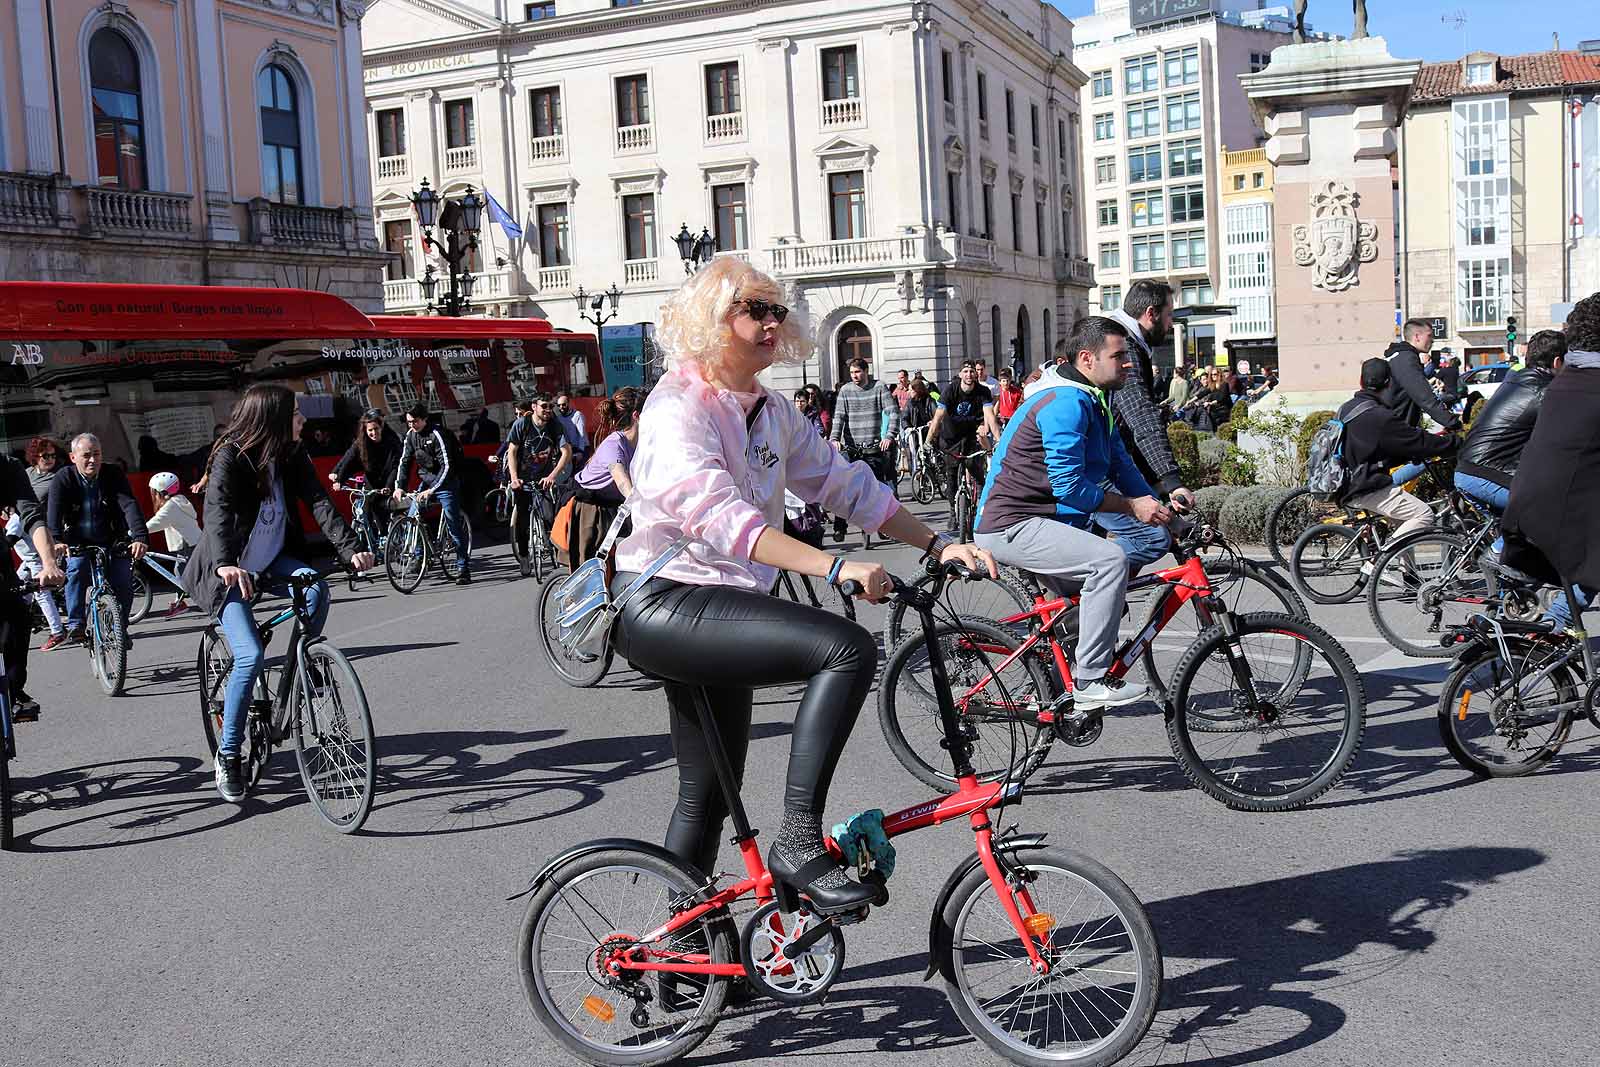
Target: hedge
x,y
1240,410
1296,517
1228,431
1186,451
1212,452
1244,514
1238,467
1209,501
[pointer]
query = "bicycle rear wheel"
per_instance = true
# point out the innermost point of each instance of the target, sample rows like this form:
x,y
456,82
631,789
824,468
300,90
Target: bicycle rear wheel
x,y
576,669
1328,563
606,901
1423,587
991,599
143,595
1504,720
108,643
541,552
1100,995
1298,728
1285,521
333,739
7,753
1001,720
213,665
448,561
406,559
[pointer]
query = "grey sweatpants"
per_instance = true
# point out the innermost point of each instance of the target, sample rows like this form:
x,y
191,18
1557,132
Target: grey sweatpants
x,y
1060,554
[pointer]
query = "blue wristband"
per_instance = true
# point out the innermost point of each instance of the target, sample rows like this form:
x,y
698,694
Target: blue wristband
x,y
833,572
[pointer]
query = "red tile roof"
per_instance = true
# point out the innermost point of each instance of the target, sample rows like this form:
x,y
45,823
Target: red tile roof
x,y
1536,70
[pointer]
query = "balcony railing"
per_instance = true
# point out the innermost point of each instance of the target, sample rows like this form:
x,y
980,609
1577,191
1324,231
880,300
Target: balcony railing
x,y
852,254
847,112
463,158
1074,271
725,127
967,250
633,138
541,149
554,279
638,271
143,213
28,200
402,294
405,294
393,168
296,224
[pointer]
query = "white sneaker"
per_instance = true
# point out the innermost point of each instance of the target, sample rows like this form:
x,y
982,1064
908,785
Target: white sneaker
x,y
1107,693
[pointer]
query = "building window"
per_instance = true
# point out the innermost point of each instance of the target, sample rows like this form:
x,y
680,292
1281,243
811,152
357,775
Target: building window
x,y
1258,179
1144,164
535,12
947,78
847,200
391,132
1106,210
988,212
1482,138
1111,256
1480,73
1483,206
1248,224
1197,291
1259,61
1038,228
1105,127
841,76
118,111
952,192
1184,158
1016,221
1110,297
1189,250
280,137
1238,182
554,247
1144,120
1149,254
732,227
1011,113
1033,123
1102,83
639,226
1183,113
633,101
722,89
1140,75
1146,209
1105,170
544,107
1183,66
397,242
460,130
1481,287
626,3
983,101
1188,203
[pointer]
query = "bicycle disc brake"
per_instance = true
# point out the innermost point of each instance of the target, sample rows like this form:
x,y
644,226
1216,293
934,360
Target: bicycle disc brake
x,y
802,980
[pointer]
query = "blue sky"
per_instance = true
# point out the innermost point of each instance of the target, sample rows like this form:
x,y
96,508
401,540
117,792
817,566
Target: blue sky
x,y
1413,29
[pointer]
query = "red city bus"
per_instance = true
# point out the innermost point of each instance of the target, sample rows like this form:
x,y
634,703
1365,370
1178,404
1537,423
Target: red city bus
x,y
153,370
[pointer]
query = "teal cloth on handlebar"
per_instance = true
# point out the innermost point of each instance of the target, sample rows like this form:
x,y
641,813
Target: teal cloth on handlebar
x,y
861,839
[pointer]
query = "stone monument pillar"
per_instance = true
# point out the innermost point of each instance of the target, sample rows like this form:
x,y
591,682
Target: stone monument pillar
x,y
1331,110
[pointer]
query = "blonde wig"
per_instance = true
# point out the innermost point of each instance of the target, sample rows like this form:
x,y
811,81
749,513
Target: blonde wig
x,y
694,320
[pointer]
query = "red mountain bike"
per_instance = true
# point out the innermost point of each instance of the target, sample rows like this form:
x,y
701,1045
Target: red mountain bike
x,y
626,952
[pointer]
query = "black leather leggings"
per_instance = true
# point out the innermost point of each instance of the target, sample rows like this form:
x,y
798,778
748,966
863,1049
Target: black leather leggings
x,y
733,641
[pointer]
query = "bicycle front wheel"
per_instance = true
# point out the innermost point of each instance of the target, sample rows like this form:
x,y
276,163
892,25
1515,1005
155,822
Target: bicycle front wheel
x,y
1504,719
1100,994
406,559
449,563
213,665
143,596
1329,563
1291,707
605,903
541,553
1285,520
999,708
333,739
1423,587
108,644
578,669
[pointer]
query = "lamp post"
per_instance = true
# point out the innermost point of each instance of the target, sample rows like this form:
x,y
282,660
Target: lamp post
x,y
459,219
695,252
590,306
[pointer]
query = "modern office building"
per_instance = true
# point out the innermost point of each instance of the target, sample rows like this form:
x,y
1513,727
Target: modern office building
x,y
1163,100
204,142
1247,263
1500,187
909,169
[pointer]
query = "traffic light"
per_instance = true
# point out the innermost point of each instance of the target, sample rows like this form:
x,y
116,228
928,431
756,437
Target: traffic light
x,y
1511,330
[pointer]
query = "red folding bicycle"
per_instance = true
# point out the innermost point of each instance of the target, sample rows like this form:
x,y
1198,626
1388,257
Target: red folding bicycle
x,y
626,952
1272,707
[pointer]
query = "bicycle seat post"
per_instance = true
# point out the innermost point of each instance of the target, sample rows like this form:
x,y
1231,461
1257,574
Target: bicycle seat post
x,y
719,759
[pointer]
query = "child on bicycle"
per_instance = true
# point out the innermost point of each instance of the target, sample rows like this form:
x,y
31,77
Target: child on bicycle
x,y
174,514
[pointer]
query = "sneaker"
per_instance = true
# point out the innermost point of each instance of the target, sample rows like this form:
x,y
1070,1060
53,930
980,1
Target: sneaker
x,y
465,577
54,641
25,709
1107,693
178,608
230,779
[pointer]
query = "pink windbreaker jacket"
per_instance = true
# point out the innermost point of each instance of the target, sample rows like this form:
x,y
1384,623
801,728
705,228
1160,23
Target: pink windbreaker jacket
x,y
697,472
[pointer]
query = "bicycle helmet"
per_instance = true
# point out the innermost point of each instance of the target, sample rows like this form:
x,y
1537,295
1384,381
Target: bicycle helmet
x,y
165,483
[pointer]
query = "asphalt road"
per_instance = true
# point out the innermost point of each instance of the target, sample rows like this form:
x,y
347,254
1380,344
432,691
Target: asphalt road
x,y
1410,915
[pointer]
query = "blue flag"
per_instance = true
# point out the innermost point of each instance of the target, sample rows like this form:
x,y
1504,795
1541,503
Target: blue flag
x,y
500,215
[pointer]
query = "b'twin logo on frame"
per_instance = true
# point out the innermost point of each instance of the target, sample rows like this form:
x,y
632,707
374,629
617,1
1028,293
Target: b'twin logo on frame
x,y
925,809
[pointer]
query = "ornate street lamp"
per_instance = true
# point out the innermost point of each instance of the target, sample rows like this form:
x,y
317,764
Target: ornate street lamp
x,y
591,306
459,219
694,251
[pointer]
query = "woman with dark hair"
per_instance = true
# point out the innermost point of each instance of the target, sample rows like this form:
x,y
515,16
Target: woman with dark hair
x,y
376,453
604,483
257,473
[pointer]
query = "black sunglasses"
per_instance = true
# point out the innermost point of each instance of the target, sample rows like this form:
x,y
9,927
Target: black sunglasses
x,y
759,309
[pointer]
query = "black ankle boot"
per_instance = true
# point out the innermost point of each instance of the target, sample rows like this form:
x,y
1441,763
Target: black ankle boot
x,y
791,884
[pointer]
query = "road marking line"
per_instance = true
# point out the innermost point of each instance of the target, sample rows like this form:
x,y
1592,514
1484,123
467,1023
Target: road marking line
x,y
390,622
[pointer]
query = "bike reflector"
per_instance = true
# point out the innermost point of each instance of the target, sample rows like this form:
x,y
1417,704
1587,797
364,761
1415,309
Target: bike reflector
x,y
599,1009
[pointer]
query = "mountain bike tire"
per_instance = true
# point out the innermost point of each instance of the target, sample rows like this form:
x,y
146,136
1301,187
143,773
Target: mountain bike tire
x,y
1289,506
1468,724
1421,588
1326,563
108,644
990,599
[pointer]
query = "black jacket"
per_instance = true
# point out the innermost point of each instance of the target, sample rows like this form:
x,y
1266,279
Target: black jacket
x,y
1555,497
436,454
1449,381
16,494
1378,439
385,460
1408,393
1495,442
67,492
233,499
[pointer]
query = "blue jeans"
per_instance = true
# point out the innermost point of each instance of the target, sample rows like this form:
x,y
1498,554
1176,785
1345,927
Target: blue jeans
x,y
1486,492
1143,543
1562,614
239,629
119,573
452,521
1402,475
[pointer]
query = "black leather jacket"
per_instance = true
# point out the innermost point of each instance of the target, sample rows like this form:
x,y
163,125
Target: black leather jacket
x,y
1408,393
1494,444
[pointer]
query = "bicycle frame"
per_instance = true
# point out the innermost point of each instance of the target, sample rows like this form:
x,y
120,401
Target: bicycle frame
x,y
152,561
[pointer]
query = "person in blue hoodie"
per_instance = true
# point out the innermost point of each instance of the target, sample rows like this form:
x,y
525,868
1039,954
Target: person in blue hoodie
x,y
1060,461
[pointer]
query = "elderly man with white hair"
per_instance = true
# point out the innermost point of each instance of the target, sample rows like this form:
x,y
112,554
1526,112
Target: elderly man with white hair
x,y
92,504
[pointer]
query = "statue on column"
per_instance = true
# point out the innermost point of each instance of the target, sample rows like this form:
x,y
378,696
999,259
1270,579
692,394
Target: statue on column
x,y
1356,34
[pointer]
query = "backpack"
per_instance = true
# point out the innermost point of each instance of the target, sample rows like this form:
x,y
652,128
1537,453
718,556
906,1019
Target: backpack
x,y
1327,475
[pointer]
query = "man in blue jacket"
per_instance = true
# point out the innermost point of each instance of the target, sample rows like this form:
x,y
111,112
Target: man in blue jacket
x,y
1059,461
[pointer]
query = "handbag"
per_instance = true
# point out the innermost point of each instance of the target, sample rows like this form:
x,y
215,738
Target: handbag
x,y
561,526
585,611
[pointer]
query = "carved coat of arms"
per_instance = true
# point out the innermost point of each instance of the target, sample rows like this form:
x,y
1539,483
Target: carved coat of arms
x,y
1334,242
